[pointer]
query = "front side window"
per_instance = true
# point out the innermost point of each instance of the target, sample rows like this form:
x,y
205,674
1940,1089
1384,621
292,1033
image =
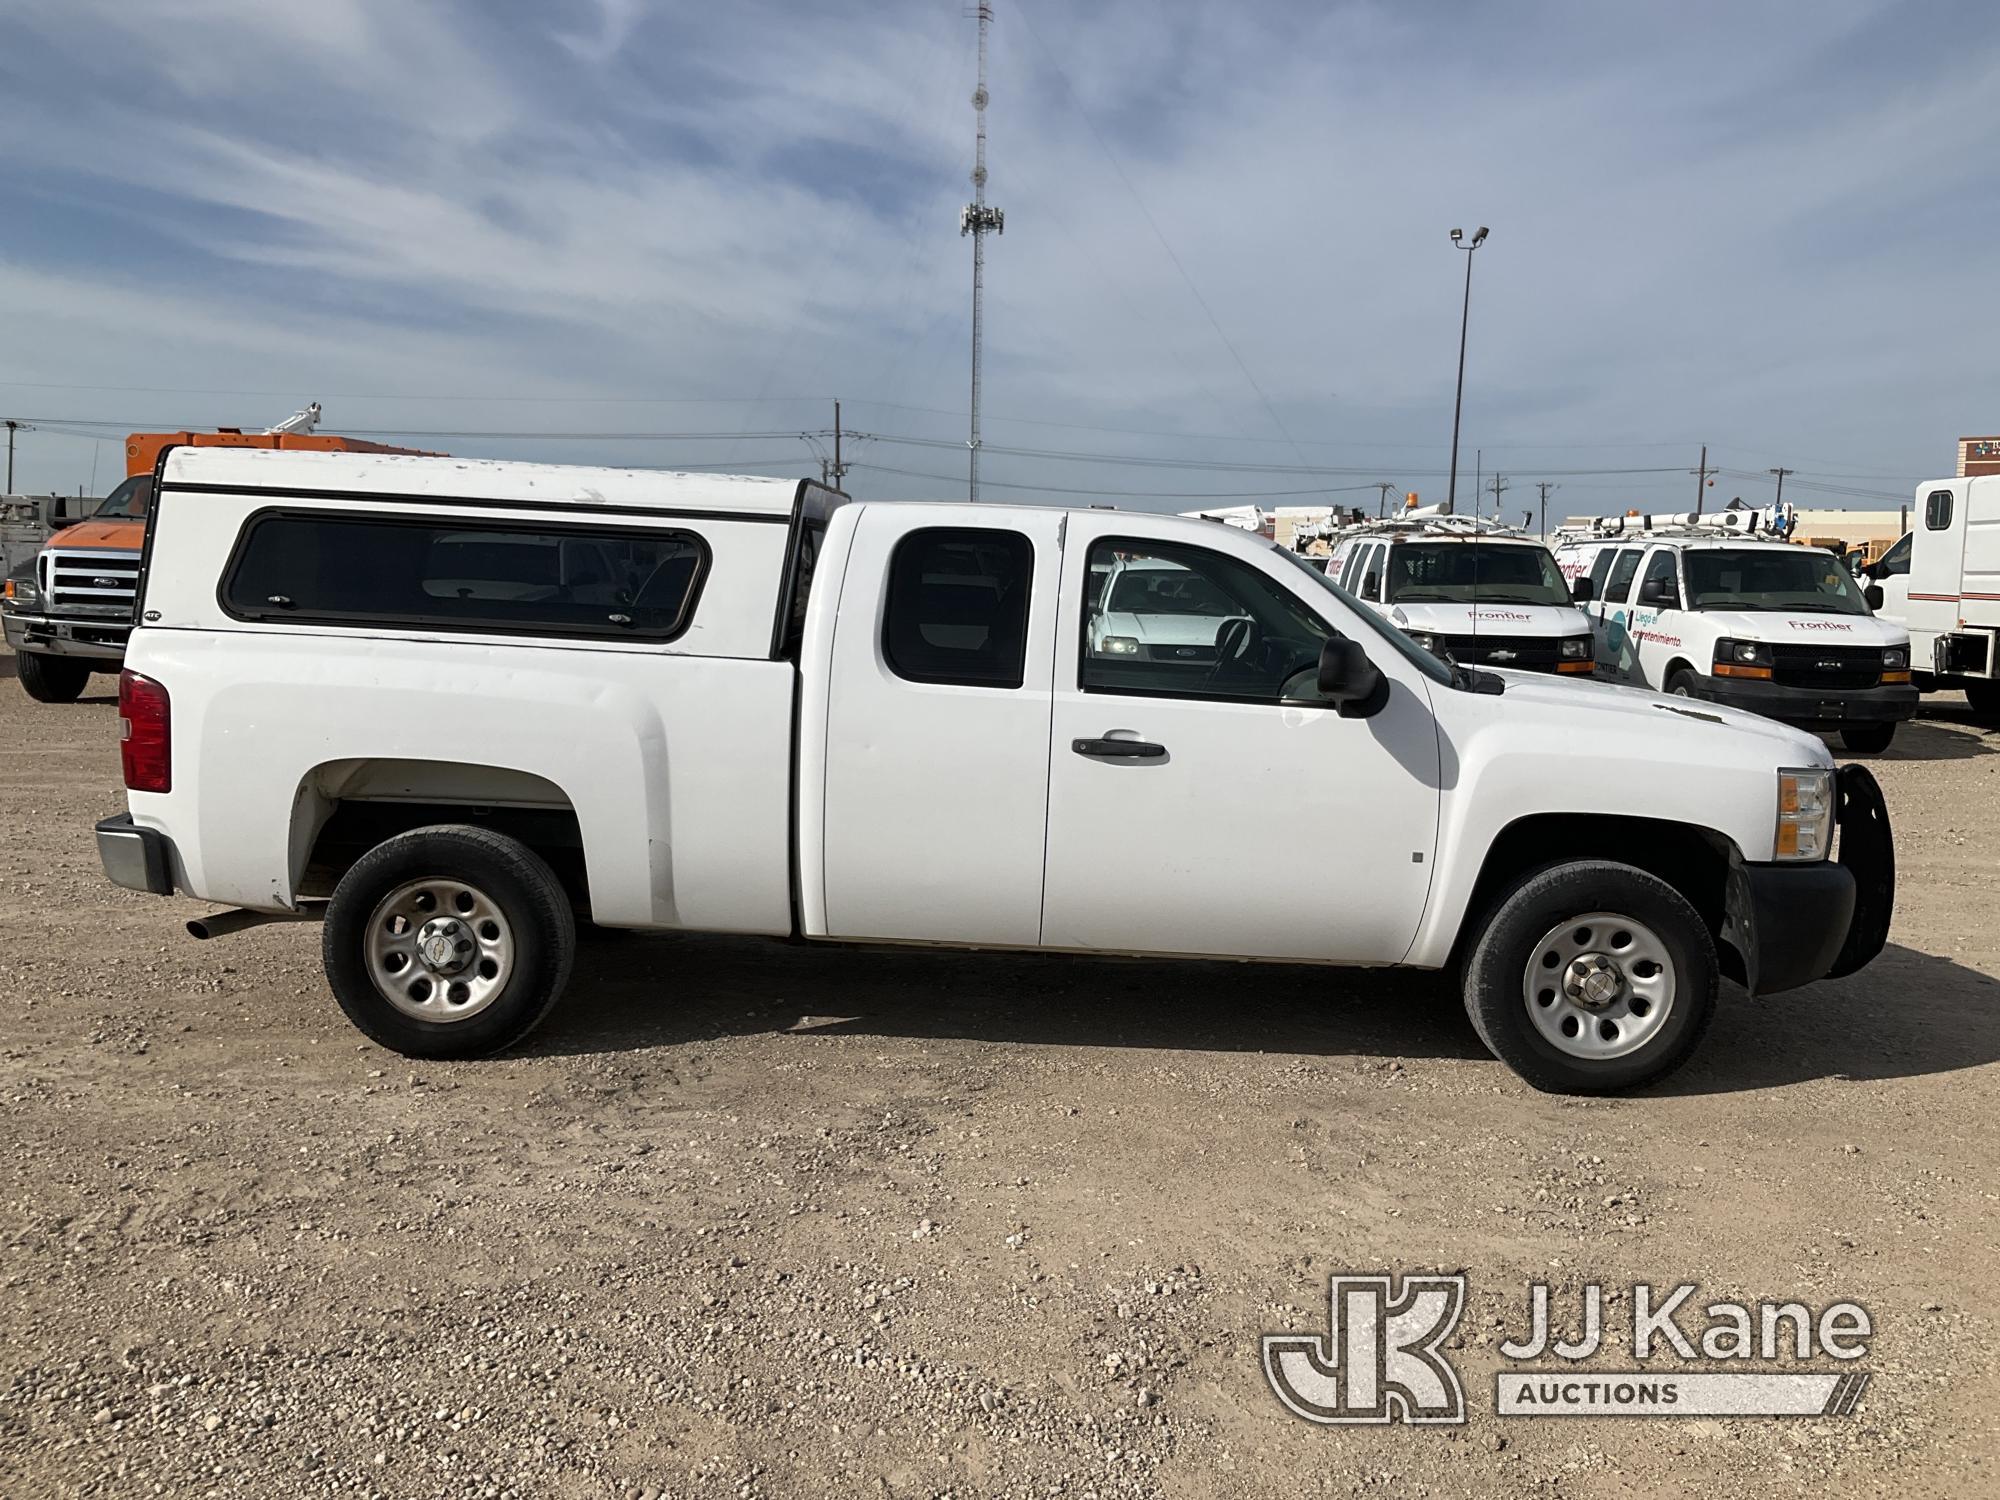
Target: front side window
x,y
131,501
1771,578
958,607
1895,562
1620,583
1185,622
1455,572
1937,510
1660,570
324,567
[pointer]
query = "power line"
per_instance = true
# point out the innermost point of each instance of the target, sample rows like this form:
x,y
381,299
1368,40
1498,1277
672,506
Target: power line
x,y
1050,489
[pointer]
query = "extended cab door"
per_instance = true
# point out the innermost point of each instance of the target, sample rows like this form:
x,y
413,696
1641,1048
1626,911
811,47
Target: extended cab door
x,y
934,764
1191,808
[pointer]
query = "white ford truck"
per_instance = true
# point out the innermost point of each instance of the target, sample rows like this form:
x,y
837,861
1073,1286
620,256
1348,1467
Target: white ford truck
x,y
451,705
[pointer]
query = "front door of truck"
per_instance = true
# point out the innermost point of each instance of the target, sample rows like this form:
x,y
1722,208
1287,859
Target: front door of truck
x,y
937,727
1191,808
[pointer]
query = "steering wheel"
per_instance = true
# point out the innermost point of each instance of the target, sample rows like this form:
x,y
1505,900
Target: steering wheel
x,y
1236,640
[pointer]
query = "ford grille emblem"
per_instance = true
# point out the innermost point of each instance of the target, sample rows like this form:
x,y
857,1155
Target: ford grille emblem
x,y
105,583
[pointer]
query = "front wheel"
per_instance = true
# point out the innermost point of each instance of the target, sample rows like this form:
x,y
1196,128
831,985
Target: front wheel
x,y
1983,697
1682,684
1867,739
1592,976
450,941
52,679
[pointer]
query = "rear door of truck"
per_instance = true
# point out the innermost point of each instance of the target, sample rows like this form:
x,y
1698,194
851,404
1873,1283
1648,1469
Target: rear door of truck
x,y
932,774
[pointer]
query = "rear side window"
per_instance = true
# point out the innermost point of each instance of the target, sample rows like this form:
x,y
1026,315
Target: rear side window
x,y
1937,510
958,607
1622,570
445,574
1600,566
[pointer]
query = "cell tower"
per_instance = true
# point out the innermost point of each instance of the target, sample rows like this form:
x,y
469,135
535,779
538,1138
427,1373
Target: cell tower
x,y
976,219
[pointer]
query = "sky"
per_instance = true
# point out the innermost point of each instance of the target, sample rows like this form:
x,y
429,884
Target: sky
x,y
672,234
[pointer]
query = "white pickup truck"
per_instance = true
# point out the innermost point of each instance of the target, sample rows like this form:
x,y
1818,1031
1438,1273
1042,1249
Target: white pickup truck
x,y
460,702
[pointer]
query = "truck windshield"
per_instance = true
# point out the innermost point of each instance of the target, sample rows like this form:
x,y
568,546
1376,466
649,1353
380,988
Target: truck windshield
x,y
1408,649
1770,578
1459,572
131,501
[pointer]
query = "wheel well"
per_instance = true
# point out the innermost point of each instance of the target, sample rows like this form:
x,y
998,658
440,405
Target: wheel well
x,y
1678,664
1694,861
346,808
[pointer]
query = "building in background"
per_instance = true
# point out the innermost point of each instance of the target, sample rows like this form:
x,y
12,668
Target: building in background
x,y
1978,455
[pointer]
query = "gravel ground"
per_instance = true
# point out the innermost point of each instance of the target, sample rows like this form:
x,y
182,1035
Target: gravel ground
x,y
759,1219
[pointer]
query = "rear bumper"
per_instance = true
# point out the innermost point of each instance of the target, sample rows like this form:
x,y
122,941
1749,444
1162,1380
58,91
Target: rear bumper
x,y
100,640
1793,923
140,859
1877,705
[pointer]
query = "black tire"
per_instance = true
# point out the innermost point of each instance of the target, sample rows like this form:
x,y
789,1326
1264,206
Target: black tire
x,y
1497,991
537,927
1682,684
1867,739
52,679
1983,697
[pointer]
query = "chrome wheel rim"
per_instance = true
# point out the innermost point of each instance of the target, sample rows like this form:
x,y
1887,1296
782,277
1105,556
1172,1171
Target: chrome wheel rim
x,y
1599,986
439,950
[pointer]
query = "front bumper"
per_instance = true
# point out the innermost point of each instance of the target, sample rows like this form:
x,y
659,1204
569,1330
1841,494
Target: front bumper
x,y
1793,923
101,640
140,859
1888,704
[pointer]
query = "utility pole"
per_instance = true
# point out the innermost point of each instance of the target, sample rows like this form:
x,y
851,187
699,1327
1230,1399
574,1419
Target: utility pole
x,y
1781,473
976,219
12,427
1382,507
1544,486
1499,487
1701,479
839,468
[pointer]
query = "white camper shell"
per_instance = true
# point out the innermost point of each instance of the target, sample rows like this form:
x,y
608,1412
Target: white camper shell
x,y
1718,609
1942,583
1479,592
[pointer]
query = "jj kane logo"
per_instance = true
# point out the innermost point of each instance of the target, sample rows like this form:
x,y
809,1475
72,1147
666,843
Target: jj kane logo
x,y
1383,1359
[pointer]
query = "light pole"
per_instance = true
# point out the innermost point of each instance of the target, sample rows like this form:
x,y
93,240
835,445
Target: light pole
x,y
1464,317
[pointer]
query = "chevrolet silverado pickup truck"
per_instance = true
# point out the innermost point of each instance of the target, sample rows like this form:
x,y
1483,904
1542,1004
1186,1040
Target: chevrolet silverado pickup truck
x,y
452,707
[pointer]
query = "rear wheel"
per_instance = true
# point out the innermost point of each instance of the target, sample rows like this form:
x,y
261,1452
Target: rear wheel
x,y
1983,698
1867,739
1592,976
450,941
52,679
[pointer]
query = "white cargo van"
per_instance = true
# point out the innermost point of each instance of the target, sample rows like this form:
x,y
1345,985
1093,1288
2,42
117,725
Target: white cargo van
x,y
1941,582
1705,611
1481,593
452,704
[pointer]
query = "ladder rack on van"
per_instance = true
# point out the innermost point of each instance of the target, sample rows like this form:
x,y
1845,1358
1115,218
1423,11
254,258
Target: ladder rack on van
x,y
1413,526
1744,522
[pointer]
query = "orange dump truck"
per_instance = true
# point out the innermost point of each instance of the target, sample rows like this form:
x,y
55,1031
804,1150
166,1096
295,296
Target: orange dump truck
x,y
69,615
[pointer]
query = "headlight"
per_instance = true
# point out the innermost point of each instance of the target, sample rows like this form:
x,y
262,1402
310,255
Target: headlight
x,y
1805,814
1575,647
1428,642
1895,659
1120,645
22,593
1742,659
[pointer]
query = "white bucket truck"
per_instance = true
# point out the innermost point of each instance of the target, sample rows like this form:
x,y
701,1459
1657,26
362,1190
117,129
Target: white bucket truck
x,y
1941,582
452,705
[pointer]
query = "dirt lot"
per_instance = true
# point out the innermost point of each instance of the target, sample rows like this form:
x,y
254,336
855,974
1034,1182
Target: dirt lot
x,y
756,1219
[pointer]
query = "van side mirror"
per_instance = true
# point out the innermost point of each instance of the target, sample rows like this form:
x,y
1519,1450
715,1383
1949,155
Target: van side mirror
x,y
1872,595
1349,680
1582,589
1660,592
1371,585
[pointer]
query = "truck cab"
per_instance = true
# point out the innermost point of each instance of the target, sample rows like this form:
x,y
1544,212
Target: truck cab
x,y
452,708
1478,592
1941,582
1742,619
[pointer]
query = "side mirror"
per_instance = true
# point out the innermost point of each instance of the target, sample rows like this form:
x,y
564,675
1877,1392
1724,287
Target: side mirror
x,y
1371,585
1872,595
1582,589
1349,680
1661,592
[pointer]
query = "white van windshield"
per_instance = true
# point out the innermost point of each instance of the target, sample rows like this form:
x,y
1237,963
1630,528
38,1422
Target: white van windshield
x,y
1770,578
1461,572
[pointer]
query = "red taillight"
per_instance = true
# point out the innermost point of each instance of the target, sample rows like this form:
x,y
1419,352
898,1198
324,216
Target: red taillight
x,y
147,744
